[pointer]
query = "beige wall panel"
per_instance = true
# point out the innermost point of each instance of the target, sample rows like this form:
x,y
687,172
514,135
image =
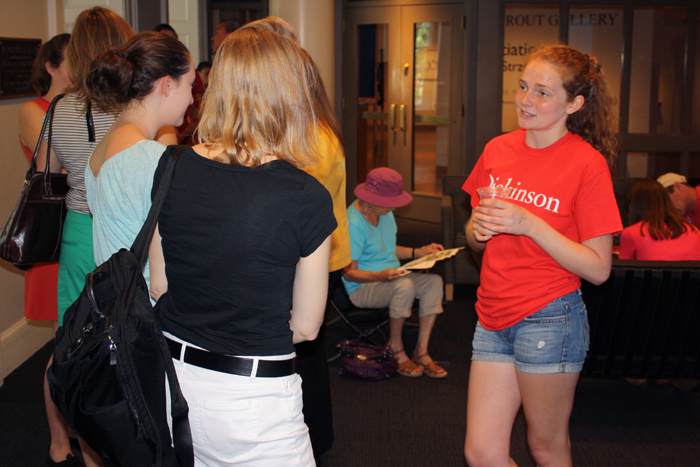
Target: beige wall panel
x,y
20,19
314,21
72,8
183,16
178,10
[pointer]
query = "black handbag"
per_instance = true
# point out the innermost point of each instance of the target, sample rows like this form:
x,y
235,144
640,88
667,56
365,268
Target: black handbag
x,y
364,360
111,358
32,234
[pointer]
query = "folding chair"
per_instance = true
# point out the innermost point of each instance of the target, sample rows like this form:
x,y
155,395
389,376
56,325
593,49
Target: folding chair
x,y
356,317
364,321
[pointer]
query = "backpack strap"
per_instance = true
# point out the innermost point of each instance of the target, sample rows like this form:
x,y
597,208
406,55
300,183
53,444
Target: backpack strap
x,y
182,435
143,239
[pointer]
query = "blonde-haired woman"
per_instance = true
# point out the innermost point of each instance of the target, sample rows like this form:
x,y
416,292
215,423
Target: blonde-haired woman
x,y
245,235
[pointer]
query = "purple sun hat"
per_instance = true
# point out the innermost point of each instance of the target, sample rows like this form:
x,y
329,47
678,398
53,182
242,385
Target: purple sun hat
x,y
384,188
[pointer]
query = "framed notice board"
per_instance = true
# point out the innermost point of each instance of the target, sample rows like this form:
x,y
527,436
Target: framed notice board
x,y
16,59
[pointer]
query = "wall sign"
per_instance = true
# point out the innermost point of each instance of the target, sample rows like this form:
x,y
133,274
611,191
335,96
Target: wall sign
x,y
16,59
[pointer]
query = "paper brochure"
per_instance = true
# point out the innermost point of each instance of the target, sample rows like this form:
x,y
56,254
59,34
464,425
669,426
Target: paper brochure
x,y
427,262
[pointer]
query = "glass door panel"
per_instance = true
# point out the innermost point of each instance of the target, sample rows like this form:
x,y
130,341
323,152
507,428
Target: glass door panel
x,y
658,59
372,108
400,63
370,54
431,76
431,104
598,30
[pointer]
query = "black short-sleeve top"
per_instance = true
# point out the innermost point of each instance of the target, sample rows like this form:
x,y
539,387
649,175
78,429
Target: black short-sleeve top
x,y
232,237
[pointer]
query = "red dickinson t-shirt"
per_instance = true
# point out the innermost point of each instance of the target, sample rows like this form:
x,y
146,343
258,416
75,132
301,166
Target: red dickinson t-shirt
x,y
569,186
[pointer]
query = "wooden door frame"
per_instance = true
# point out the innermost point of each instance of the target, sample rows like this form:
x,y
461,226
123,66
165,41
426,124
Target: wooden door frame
x,y
424,206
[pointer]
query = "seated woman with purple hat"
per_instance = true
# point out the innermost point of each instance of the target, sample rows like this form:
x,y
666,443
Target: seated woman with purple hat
x,y
373,280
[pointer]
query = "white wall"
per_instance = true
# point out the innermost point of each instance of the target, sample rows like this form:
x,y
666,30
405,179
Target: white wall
x,y
314,21
183,16
72,8
19,338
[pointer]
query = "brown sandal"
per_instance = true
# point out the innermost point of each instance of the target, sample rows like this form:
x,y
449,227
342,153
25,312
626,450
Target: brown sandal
x,y
408,367
432,369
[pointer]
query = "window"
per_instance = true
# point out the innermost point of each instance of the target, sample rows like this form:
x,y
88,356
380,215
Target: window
x,y
656,87
598,31
650,66
526,28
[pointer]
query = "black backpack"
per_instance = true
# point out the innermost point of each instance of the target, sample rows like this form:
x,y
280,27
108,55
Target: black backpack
x,y
111,358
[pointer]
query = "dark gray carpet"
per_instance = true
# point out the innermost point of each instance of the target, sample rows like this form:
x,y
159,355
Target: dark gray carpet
x,y
421,421
405,422
24,432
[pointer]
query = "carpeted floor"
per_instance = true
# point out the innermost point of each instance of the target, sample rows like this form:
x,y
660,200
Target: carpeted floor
x,y
421,421
407,422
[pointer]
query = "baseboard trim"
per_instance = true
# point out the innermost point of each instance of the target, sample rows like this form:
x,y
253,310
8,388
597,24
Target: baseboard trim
x,y
20,341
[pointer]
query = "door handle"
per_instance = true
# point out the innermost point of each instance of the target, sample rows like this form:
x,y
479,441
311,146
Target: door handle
x,y
392,117
402,117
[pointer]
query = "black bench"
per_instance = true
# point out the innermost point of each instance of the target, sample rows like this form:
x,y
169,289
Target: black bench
x,y
645,321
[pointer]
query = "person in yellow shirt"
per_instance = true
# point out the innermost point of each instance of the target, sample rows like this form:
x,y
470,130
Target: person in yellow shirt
x,y
311,356
330,171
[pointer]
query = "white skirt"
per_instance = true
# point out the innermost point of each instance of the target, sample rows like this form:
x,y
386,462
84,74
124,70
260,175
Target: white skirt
x,y
244,421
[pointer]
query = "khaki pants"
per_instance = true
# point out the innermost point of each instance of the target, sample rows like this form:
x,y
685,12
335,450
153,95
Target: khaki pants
x,y
398,295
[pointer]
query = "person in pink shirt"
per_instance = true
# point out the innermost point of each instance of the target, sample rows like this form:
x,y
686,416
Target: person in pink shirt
x,y
683,196
658,232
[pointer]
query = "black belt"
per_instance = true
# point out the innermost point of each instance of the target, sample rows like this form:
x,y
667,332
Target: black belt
x,y
232,365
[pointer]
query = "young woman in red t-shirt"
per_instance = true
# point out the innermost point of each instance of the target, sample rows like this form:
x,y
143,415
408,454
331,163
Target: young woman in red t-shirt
x,y
555,229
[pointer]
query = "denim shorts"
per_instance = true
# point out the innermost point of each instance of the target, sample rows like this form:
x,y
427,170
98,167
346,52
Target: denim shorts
x,y
552,340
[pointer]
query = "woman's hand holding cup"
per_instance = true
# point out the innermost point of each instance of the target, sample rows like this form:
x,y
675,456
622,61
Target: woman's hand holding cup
x,y
494,192
490,197
495,216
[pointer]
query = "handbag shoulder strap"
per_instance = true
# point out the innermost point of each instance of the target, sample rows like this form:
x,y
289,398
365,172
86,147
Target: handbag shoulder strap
x,y
48,122
365,335
143,239
90,124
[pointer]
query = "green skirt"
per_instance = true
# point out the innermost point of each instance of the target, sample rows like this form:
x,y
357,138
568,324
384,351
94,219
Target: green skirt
x,y
77,259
